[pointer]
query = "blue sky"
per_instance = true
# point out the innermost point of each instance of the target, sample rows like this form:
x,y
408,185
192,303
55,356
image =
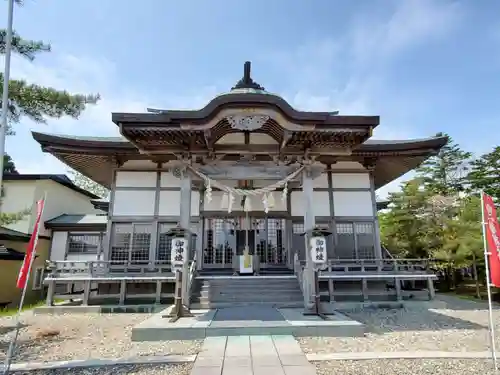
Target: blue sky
x,y
424,66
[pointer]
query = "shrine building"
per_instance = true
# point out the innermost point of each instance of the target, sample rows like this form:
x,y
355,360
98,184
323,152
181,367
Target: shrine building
x,y
249,177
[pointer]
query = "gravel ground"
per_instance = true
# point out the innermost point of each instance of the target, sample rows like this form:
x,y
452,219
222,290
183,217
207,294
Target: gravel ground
x,y
84,336
462,326
118,370
405,367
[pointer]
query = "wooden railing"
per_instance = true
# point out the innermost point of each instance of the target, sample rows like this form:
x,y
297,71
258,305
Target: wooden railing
x,y
190,278
104,268
392,265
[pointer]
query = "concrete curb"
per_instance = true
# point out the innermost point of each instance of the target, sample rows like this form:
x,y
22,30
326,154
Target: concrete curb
x,y
357,356
143,360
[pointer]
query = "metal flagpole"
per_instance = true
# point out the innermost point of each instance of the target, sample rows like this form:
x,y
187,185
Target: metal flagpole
x,y
6,78
488,286
13,342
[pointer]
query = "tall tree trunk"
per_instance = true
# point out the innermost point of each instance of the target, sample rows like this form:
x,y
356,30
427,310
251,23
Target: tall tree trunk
x,y
476,276
449,276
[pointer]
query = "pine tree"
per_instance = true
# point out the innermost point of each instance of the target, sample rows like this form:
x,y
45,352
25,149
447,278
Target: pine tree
x,y
403,226
33,101
8,165
445,173
485,174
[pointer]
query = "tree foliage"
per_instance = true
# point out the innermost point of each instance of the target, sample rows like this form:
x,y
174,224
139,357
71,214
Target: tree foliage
x,y
438,214
33,101
485,174
8,165
86,183
445,173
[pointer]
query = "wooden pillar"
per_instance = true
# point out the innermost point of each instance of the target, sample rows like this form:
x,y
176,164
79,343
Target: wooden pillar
x,y
376,226
331,289
153,246
86,292
309,223
123,291
364,283
397,283
430,288
158,292
50,293
185,222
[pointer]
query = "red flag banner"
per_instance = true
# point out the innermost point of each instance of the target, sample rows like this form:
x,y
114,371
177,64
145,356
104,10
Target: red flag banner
x,y
492,233
31,249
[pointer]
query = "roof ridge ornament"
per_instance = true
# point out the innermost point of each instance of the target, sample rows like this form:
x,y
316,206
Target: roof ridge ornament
x,y
246,82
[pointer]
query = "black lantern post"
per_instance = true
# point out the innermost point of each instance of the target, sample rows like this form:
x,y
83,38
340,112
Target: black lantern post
x,y
179,256
319,258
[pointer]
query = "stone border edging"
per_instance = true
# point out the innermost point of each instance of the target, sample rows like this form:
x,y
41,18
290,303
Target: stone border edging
x,y
179,359
356,356
141,360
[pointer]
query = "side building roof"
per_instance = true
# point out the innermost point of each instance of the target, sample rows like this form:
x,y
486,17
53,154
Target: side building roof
x,y
59,178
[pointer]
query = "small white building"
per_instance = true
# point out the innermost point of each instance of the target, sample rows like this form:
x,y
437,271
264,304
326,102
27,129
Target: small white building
x,y
248,175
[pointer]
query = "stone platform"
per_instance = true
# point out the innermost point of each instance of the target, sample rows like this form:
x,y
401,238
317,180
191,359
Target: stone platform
x,y
252,320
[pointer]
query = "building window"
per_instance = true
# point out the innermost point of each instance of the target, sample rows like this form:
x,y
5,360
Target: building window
x,y
37,278
85,243
130,242
355,240
298,228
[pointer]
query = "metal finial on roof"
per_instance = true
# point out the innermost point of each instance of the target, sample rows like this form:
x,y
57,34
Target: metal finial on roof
x,y
246,82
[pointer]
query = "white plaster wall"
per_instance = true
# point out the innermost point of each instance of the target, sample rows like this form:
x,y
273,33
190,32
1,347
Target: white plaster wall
x,y
256,203
58,245
321,181
19,196
135,179
139,164
215,203
347,165
350,180
352,203
167,179
170,203
60,200
195,203
134,203
321,204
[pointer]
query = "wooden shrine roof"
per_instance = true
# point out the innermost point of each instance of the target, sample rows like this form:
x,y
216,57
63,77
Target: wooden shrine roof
x,y
96,157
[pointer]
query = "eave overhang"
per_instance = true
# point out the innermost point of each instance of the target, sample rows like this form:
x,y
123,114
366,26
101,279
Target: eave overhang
x,y
198,131
97,158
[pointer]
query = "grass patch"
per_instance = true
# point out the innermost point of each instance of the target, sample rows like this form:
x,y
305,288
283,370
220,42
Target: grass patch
x,y
468,291
9,311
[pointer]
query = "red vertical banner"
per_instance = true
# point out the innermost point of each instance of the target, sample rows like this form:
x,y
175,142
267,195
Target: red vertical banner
x,y
492,233
31,249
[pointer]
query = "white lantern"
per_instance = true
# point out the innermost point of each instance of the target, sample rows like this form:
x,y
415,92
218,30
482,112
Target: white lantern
x,y
179,252
180,247
317,246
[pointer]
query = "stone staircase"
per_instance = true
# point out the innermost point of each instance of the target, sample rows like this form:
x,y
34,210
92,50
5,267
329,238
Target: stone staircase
x,y
219,292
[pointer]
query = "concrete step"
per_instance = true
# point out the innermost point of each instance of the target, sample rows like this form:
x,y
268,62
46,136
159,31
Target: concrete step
x,y
220,305
244,288
267,295
250,301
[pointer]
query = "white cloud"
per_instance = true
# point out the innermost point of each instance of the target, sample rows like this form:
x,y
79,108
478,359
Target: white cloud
x,y
82,74
355,66
326,74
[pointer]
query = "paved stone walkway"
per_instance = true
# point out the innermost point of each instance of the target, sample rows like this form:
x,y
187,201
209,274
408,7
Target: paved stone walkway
x,y
252,355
